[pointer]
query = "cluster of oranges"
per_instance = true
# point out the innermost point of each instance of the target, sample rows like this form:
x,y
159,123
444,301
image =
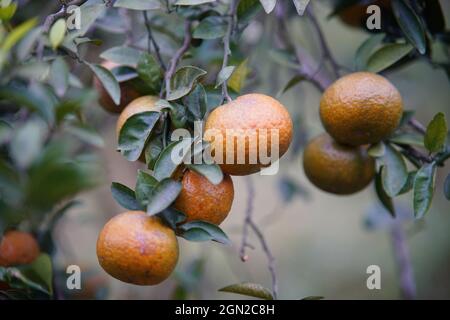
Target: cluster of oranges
x,y
140,249
357,110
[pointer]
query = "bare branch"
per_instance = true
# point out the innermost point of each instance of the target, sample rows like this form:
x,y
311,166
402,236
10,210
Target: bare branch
x,y
152,41
226,45
416,125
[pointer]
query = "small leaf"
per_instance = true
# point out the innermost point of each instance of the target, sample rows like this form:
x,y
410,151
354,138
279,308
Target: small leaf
x,y
394,173
57,33
237,80
135,132
183,81
447,187
377,150
199,231
172,217
268,5
162,196
300,6
365,50
138,4
408,139
197,102
212,27
125,196
108,81
145,184
124,56
171,157
424,184
249,289
313,298
152,151
224,75
410,24
384,198
436,133
59,76
290,84
150,72
17,34
212,172
387,56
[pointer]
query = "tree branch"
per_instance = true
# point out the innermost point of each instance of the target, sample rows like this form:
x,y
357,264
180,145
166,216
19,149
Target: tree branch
x,y
178,55
248,222
226,46
152,41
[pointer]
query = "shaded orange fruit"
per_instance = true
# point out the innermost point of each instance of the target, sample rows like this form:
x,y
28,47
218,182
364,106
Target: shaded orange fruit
x,y
199,199
18,248
361,108
337,168
356,15
128,93
242,130
138,249
139,105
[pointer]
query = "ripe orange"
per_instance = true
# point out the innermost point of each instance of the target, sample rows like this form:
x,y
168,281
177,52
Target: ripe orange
x,y
128,93
361,108
337,168
142,104
247,122
137,249
199,199
18,248
356,15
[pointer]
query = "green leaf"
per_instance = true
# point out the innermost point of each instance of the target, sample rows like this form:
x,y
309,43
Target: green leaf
x,y
41,270
247,10
409,182
199,231
152,151
135,132
145,184
57,33
172,217
377,150
224,75
86,133
447,187
384,198
26,45
436,133
171,157
408,139
424,184
290,84
192,2
124,56
410,24
212,27
249,289
365,50
138,4
163,195
125,196
183,81
212,172
27,143
387,56
237,80
17,34
268,5
394,173
178,115
313,298
197,102
59,76
150,72
7,11
108,81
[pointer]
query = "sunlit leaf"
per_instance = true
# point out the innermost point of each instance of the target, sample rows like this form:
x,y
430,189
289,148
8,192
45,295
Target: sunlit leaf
x,y
237,79
436,133
57,33
249,289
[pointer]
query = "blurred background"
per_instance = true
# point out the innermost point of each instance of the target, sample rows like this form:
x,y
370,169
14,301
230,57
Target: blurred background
x,y
320,241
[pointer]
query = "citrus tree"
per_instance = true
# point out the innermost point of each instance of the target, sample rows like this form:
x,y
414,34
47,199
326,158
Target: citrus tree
x,y
177,75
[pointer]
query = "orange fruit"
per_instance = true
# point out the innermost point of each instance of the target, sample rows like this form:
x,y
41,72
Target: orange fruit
x,y
199,199
18,248
128,93
361,108
138,249
337,168
247,122
356,15
139,105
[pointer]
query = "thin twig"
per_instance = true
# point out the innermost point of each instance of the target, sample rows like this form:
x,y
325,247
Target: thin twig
x,y
401,252
248,222
226,46
152,41
416,125
178,55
